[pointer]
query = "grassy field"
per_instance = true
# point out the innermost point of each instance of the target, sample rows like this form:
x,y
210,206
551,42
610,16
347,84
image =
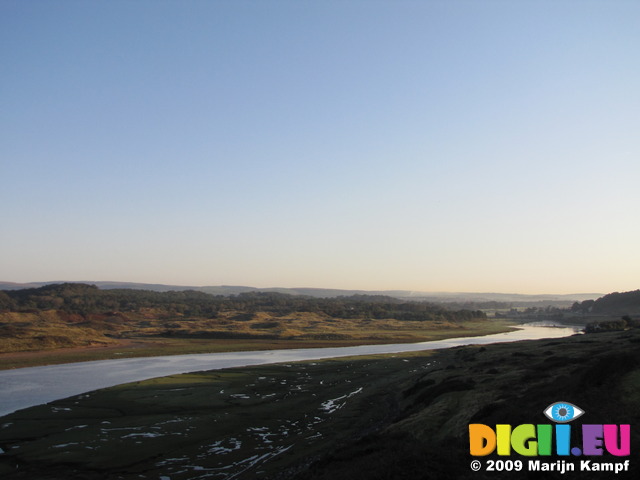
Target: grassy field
x,y
147,336
400,416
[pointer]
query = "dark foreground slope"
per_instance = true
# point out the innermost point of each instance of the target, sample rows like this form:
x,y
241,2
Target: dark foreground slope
x,y
360,418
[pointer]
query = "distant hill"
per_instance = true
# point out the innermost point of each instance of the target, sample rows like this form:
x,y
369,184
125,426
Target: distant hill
x,y
156,287
77,314
226,290
625,303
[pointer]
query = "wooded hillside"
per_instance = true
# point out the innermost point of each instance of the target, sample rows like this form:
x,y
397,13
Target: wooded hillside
x,y
71,314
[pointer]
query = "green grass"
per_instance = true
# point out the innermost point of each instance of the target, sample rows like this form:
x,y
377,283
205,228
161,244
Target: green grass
x,y
207,421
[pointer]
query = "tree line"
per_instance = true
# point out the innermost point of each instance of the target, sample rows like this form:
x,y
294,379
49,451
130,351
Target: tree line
x,y
616,303
87,299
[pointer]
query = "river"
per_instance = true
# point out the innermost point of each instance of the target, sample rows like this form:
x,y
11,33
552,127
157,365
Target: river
x,y
26,387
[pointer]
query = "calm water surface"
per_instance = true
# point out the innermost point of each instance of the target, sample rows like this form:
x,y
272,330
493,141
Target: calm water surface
x,y
26,387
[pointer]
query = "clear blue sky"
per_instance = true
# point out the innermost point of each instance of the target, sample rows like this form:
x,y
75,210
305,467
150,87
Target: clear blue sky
x,y
421,145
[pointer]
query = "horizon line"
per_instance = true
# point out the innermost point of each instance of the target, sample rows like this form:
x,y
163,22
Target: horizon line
x,y
410,291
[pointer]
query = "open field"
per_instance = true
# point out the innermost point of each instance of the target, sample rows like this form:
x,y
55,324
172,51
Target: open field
x,y
393,416
138,346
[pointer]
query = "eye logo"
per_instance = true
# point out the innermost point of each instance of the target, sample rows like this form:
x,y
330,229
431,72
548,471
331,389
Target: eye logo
x,y
563,412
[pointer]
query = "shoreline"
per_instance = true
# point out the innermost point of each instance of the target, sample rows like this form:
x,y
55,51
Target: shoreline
x,y
303,419
24,387
152,347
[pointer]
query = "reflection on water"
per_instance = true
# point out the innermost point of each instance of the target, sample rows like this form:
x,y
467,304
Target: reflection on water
x,y
25,387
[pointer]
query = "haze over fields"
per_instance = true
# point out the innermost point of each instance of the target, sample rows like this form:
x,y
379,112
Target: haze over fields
x,y
433,146
328,292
